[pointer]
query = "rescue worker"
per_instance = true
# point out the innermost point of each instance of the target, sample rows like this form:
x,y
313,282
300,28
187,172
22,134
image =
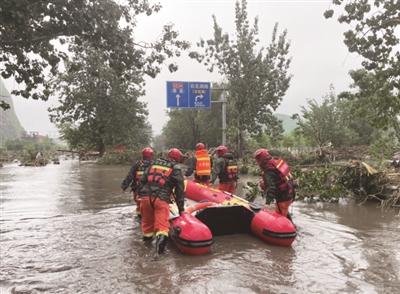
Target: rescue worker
x,y
135,174
226,169
276,182
200,164
161,180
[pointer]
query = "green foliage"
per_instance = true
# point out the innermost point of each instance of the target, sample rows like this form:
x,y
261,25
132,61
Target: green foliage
x,y
4,105
257,78
252,190
158,142
319,184
25,149
375,100
333,123
99,105
30,32
384,147
374,36
321,123
117,158
44,144
244,169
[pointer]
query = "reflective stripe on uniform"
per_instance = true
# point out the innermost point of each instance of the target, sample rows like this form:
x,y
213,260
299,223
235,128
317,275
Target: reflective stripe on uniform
x,y
162,233
203,163
160,167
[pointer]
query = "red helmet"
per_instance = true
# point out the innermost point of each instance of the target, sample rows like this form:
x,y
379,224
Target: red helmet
x,y
200,146
221,150
175,154
147,153
261,155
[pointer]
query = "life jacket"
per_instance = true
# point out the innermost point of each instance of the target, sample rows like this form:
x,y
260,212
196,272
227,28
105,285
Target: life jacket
x,y
142,165
203,163
159,172
231,170
283,169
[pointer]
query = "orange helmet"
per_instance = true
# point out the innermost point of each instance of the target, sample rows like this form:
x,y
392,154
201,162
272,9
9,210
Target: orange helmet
x,y
262,155
147,153
221,150
175,154
200,146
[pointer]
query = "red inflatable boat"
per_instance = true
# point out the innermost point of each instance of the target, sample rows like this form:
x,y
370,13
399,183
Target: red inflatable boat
x,y
222,213
190,235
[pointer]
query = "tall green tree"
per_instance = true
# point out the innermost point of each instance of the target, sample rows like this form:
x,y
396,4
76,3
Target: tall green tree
x,y
31,32
332,123
374,35
99,106
257,78
322,123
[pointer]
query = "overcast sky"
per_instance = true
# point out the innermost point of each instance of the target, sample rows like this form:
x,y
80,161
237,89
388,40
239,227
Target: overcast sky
x,y
319,56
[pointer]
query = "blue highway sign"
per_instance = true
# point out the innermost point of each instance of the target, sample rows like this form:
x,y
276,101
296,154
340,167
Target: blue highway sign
x,y
177,94
188,94
199,95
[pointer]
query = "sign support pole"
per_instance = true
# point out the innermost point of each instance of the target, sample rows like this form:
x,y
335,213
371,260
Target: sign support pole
x,y
223,100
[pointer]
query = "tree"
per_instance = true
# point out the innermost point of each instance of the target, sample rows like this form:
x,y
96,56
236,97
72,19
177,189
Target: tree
x,y
158,142
359,126
257,78
375,100
333,124
99,107
374,36
322,123
32,33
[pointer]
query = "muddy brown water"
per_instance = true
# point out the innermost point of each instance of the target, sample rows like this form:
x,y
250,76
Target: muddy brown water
x,y
68,229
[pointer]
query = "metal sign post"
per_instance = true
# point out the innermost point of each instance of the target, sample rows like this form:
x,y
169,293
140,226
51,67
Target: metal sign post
x,y
223,106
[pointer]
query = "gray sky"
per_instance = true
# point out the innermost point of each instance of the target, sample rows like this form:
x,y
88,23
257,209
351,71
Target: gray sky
x,y
319,56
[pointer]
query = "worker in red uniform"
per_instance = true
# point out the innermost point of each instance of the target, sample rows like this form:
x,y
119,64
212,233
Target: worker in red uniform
x,y
200,164
276,182
135,173
225,168
161,183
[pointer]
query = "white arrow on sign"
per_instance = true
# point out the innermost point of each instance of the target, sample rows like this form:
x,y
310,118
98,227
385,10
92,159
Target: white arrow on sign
x,y
196,99
177,99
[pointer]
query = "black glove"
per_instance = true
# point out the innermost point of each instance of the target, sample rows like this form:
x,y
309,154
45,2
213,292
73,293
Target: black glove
x,y
181,208
268,198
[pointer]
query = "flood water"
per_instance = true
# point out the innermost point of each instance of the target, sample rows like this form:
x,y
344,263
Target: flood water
x,y
69,229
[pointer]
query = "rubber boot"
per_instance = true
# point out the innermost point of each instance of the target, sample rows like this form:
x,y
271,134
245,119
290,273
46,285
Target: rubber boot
x,y
138,218
160,244
147,239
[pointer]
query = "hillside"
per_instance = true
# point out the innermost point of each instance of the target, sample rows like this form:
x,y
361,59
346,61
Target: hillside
x,y
10,127
288,123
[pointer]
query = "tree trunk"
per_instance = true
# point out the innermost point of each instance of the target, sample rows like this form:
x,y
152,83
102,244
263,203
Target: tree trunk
x,y
101,148
239,142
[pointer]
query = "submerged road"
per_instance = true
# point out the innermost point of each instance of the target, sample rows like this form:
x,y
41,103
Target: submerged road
x,y
68,229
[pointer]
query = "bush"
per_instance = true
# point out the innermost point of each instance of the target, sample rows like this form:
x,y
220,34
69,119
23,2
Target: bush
x,y
126,157
384,147
319,184
244,170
